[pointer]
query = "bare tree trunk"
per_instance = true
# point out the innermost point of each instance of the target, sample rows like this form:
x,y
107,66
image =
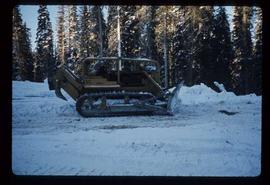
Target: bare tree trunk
x,y
100,32
119,44
165,50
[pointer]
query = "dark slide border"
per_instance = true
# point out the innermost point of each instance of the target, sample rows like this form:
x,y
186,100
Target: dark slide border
x,y
6,106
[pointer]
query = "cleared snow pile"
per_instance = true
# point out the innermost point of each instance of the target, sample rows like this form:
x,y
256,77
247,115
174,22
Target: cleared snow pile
x,y
201,94
220,86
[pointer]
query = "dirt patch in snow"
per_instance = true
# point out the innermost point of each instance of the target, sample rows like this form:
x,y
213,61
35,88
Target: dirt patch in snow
x,y
228,112
112,127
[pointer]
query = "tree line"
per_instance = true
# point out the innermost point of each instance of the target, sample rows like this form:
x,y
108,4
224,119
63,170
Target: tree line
x,y
192,43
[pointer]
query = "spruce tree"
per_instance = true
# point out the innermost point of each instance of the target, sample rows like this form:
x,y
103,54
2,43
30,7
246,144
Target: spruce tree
x,y
26,64
172,20
222,49
69,36
44,62
67,50
179,67
241,67
99,31
16,34
187,46
236,64
151,50
167,18
90,31
130,46
111,31
142,12
93,32
21,49
257,66
85,32
97,27
129,31
247,43
73,36
147,38
204,44
60,35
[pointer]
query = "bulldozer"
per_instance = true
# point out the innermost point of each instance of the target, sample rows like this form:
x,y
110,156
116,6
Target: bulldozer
x,y
113,86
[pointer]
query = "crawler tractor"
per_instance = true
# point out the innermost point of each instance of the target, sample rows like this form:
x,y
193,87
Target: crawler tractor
x,y
113,86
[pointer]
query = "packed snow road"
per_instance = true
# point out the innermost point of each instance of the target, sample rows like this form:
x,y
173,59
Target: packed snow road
x,y
211,134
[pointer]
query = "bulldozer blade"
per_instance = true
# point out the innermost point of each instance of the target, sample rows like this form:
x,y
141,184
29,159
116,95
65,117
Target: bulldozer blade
x,y
59,94
173,96
58,91
50,83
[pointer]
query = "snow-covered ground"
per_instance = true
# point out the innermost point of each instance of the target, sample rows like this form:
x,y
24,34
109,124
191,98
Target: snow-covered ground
x,y
50,138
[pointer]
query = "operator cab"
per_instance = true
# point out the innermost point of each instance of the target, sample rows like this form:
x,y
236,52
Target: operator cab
x,y
131,73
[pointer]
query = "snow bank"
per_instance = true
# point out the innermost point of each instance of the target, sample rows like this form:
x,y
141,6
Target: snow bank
x,y
40,100
200,94
31,89
197,94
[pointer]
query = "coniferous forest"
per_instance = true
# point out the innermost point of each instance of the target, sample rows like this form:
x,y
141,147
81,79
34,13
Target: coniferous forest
x,y
192,43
